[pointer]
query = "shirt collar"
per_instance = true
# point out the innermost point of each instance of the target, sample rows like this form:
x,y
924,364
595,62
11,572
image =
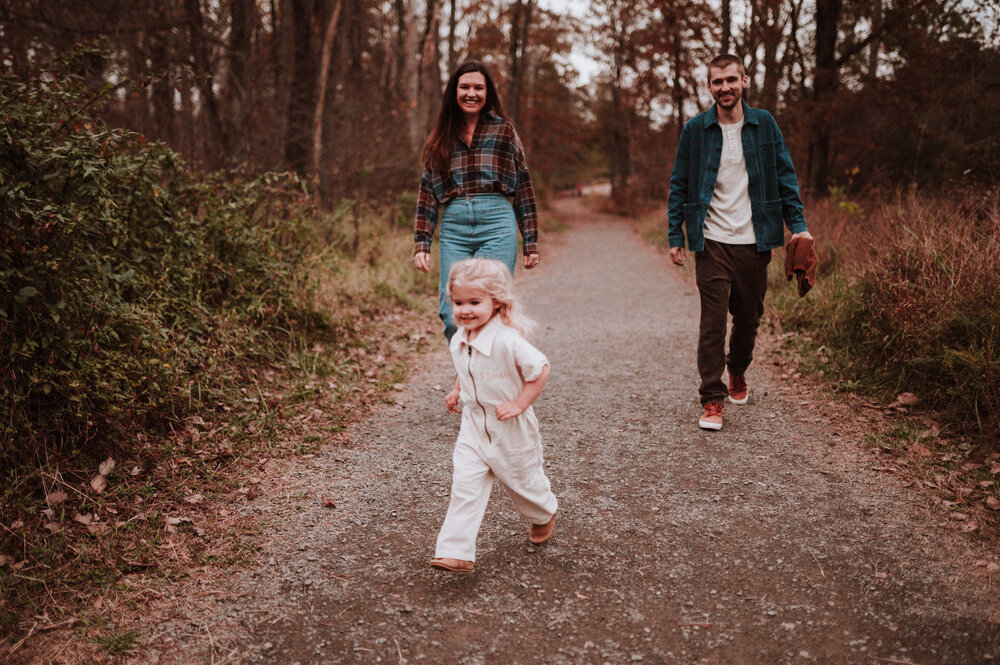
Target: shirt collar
x,y
484,340
712,116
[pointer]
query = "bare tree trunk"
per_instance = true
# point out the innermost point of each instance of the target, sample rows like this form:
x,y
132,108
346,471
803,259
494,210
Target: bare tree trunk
x,y
727,26
620,158
429,74
452,23
326,56
302,95
280,49
519,29
210,109
874,47
678,90
243,14
410,75
825,85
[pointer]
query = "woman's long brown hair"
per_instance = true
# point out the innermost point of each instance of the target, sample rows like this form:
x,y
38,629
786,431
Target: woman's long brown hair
x,y
451,119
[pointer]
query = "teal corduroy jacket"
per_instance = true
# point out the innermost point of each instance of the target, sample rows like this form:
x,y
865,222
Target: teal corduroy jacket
x,y
774,188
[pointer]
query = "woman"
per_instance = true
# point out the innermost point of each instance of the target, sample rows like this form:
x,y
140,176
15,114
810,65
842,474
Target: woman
x,y
473,166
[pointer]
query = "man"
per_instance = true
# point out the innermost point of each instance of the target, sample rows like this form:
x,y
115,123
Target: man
x,y
732,186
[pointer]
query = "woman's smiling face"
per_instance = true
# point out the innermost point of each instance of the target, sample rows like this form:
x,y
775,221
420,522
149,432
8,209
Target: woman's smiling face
x,y
471,93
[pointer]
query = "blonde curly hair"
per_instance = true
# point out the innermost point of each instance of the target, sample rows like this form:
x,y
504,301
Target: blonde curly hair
x,y
493,278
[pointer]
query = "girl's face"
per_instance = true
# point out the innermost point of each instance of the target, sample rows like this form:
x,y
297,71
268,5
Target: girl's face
x,y
471,93
472,308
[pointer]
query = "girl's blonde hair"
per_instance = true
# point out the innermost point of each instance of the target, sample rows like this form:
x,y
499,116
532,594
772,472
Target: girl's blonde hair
x,y
493,278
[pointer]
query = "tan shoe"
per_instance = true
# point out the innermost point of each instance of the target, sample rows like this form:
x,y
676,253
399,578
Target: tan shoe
x,y
454,565
542,532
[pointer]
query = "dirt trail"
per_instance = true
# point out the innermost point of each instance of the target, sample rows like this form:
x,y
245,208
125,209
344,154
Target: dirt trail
x,y
773,541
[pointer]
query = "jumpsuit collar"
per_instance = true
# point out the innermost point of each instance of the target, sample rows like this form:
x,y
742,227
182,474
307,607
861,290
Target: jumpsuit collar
x,y
484,340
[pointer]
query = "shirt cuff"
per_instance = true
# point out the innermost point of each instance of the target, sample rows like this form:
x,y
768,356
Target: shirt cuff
x,y
421,247
530,248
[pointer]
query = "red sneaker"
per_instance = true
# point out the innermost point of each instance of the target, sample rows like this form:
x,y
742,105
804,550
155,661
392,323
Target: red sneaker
x,y
738,391
712,418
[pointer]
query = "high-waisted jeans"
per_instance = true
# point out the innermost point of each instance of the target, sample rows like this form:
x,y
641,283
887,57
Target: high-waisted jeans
x,y
480,225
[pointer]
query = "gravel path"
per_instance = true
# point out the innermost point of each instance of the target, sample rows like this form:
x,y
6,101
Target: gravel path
x,y
773,541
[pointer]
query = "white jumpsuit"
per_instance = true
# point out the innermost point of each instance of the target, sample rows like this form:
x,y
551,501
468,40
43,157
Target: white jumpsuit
x,y
491,370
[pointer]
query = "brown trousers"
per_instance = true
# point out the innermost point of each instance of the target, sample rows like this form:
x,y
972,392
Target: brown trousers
x,y
732,279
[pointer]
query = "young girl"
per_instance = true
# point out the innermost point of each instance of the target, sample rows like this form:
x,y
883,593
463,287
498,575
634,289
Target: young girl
x,y
499,376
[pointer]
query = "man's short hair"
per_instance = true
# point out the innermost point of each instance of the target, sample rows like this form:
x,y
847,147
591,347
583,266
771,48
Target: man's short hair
x,y
724,60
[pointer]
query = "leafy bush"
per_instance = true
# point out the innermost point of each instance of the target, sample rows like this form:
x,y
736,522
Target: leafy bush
x,y
125,277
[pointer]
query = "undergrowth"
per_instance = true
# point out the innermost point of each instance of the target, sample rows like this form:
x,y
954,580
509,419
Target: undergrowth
x,y
162,331
908,300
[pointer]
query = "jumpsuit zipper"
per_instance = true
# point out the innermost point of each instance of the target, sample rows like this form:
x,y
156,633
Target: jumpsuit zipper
x,y
475,394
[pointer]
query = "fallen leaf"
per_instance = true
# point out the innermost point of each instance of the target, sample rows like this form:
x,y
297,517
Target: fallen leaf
x,y
993,503
48,512
53,527
99,483
995,469
197,420
84,519
329,502
174,521
923,451
98,529
135,471
960,517
98,603
881,575
905,399
106,467
17,524
4,560
194,499
993,567
581,596
55,498
969,527
788,626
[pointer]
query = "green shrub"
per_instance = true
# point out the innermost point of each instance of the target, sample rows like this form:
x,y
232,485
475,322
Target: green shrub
x,y
124,275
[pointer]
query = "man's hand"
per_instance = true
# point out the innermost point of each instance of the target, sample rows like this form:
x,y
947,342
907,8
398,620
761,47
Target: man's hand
x,y
678,255
422,261
508,410
530,261
802,234
451,399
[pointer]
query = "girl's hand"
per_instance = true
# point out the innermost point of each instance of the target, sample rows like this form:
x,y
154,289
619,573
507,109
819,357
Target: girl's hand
x,y
422,261
451,399
530,261
508,410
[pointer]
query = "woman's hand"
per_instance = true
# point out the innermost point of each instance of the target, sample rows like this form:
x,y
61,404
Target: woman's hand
x,y
451,399
530,261
422,261
509,410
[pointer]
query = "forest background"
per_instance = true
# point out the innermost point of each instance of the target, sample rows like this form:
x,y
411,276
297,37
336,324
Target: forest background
x,y
206,215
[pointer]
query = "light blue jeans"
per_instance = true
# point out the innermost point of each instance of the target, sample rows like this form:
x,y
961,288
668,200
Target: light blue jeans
x,y
480,225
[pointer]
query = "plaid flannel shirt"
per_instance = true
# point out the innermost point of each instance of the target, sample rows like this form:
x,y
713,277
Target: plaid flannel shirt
x,y
495,164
